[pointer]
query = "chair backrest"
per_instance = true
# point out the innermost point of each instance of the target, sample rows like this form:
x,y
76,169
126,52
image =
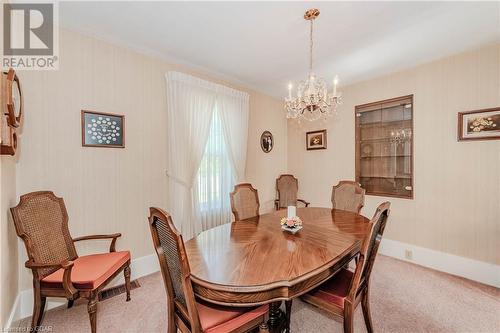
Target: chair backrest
x,y
287,187
348,195
174,265
41,221
370,246
244,202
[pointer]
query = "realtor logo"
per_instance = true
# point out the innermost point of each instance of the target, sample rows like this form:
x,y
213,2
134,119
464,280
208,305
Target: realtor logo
x,y
29,36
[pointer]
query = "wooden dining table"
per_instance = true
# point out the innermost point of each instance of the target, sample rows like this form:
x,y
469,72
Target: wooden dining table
x,y
253,261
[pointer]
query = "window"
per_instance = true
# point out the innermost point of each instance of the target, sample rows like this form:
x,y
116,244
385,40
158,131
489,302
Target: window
x,y
215,178
384,147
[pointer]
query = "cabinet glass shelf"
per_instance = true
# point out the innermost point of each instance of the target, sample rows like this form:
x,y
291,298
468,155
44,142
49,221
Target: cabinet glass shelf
x,y
384,147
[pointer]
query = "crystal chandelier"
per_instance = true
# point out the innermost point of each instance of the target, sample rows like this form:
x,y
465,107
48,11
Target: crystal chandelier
x,y
313,100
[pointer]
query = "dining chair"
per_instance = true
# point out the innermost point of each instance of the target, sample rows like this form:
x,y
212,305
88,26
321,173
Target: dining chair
x,y
41,221
348,195
185,312
341,294
287,187
244,202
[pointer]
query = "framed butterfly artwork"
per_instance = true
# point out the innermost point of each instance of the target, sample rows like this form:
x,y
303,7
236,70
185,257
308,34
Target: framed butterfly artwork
x,y
105,130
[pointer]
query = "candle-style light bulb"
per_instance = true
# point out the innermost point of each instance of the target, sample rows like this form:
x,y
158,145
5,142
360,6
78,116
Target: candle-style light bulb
x,y
335,83
290,86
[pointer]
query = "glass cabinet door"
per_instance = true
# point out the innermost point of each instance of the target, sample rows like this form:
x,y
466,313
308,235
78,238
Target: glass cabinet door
x,y
384,147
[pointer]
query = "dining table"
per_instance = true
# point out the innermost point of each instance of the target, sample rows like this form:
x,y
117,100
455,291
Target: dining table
x,y
254,261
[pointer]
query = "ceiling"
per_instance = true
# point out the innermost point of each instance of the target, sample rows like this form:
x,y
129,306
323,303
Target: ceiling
x,y
264,45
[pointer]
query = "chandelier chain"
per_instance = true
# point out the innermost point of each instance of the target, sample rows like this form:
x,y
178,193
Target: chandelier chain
x,y
311,44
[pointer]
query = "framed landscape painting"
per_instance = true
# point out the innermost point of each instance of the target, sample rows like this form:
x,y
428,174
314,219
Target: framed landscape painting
x,y
479,125
316,140
103,130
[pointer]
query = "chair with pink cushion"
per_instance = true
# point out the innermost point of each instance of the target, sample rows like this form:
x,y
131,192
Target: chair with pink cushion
x,y
185,312
41,221
345,290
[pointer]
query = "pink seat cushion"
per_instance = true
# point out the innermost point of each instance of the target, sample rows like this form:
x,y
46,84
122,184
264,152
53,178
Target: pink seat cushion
x,y
221,319
89,272
334,290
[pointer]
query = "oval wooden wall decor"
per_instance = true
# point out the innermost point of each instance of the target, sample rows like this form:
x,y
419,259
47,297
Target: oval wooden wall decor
x,y
266,141
12,108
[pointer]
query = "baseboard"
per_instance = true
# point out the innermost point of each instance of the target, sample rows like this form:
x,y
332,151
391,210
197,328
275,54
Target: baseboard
x,y
14,313
464,267
23,305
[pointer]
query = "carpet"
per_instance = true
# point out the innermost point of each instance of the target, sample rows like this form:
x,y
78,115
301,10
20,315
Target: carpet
x,y
404,298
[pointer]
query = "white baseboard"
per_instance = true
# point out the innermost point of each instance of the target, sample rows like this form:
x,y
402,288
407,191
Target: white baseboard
x,y
23,305
14,313
464,267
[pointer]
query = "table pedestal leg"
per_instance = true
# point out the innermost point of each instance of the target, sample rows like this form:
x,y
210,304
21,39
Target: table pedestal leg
x,y
288,314
276,318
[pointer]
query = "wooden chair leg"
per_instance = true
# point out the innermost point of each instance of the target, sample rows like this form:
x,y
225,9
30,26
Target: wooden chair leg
x,y
92,309
263,328
70,303
348,318
365,304
42,311
288,315
126,272
171,327
38,308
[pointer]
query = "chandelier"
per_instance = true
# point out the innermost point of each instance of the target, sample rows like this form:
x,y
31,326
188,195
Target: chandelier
x,y
313,101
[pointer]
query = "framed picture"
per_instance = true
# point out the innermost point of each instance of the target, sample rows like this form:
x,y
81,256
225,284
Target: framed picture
x,y
479,125
316,140
103,130
266,141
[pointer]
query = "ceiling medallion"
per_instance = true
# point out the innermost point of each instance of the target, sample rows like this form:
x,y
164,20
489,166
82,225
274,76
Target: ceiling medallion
x,y
312,101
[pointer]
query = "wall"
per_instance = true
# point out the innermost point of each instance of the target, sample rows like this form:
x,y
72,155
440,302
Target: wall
x,y
263,168
456,209
8,239
110,190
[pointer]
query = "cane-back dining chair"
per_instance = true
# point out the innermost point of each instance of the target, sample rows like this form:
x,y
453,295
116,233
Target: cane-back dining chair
x,y
348,195
345,290
244,202
41,221
287,187
185,312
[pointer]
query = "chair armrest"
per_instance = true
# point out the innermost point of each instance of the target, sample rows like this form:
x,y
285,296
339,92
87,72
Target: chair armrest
x,y
67,266
304,202
89,237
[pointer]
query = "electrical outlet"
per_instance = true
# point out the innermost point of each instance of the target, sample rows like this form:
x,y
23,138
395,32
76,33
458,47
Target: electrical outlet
x,y
409,254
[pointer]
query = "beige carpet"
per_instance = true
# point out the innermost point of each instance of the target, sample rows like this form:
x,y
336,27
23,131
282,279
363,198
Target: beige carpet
x,y
404,298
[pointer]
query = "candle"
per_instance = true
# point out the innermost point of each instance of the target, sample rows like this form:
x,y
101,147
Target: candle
x,y
292,211
290,91
335,82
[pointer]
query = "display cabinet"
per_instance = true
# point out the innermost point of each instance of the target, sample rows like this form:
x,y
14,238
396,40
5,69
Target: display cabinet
x,y
384,147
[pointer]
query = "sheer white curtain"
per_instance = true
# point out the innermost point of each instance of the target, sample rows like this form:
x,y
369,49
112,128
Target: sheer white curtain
x,y
215,179
234,108
207,137
190,105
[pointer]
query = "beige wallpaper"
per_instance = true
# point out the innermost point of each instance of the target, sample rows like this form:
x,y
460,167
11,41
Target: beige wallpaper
x,y
263,168
8,238
457,184
110,190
